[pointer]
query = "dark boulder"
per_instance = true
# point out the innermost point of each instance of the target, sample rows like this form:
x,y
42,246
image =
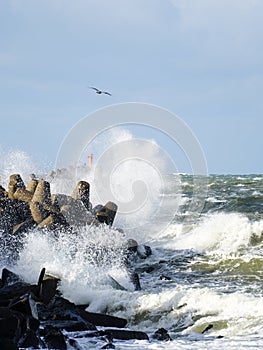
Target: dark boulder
x,y
7,344
134,277
102,319
107,213
29,340
161,334
124,334
54,338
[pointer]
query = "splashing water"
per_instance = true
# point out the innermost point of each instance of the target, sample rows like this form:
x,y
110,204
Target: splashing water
x,y
83,259
13,162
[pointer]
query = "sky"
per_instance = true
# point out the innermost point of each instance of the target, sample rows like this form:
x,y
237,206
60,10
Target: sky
x,y
200,59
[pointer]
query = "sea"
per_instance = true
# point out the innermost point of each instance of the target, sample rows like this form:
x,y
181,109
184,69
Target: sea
x,y
206,266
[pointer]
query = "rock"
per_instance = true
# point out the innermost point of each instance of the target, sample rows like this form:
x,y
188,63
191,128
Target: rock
x,y
53,221
115,284
7,344
102,319
107,213
61,309
23,195
81,192
3,192
144,251
68,325
74,344
59,200
166,278
76,213
162,334
48,288
9,324
29,340
124,334
54,338
25,305
15,182
13,213
15,290
134,277
132,245
38,212
108,346
98,208
8,278
42,193
23,226
32,185
207,328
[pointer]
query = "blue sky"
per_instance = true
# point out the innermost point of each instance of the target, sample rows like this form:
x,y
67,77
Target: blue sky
x,y
201,59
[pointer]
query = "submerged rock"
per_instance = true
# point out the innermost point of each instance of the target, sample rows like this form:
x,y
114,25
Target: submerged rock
x,y
162,334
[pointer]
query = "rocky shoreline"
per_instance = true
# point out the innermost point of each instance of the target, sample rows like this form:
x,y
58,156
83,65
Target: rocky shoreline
x,y
37,315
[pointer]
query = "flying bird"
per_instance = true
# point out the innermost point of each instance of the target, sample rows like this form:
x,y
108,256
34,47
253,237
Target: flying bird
x,y
100,91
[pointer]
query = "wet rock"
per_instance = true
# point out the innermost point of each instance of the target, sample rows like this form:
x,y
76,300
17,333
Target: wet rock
x,y
23,226
42,193
144,251
207,328
74,344
166,278
132,245
60,309
107,213
59,200
54,338
23,195
76,213
68,325
53,221
9,277
115,284
81,192
48,288
102,319
13,213
24,305
162,334
15,182
38,212
125,334
9,324
7,344
108,346
29,340
98,208
3,192
15,290
134,277
32,185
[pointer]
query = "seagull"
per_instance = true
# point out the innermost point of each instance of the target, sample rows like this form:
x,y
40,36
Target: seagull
x,y
99,91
